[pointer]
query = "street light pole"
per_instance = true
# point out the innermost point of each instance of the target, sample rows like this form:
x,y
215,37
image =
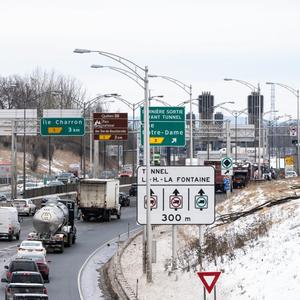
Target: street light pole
x,y
256,90
295,93
133,71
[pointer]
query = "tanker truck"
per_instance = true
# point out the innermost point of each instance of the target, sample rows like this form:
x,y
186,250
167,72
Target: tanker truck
x,y
54,225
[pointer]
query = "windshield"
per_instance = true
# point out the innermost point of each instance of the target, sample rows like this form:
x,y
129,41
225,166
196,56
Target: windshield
x,y
27,278
27,289
30,244
23,266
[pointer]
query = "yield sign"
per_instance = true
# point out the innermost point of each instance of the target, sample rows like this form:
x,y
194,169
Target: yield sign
x,y
209,275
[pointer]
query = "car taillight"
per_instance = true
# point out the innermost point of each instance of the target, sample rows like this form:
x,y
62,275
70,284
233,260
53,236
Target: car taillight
x,y
45,291
10,228
8,274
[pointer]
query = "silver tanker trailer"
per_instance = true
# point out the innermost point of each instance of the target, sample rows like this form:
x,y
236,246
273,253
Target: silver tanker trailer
x,y
54,225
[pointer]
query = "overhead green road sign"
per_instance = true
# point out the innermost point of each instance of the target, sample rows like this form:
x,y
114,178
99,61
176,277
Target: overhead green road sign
x,y
167,126
62,126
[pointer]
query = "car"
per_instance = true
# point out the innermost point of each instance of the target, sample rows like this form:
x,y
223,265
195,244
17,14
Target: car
x,y
290,174
20,264
3,197
55,183
31,247
29,296
67,178
9,223
133,189
124,199
25,277
24,206
40,261
28,291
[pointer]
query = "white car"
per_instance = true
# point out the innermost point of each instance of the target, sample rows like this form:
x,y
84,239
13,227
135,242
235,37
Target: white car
x,y
31,247
9,223
24,206
290,174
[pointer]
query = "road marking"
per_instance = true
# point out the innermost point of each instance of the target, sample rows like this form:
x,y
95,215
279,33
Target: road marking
x,y
91,256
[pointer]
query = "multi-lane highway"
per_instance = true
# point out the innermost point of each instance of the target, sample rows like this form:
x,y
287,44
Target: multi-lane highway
x,y
64,267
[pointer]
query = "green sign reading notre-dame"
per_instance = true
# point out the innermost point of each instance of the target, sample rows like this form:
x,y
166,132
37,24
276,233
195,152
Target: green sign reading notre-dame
x,y
167,126
62,126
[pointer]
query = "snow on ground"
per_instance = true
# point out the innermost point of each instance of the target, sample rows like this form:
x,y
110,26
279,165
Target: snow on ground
x,y
261,261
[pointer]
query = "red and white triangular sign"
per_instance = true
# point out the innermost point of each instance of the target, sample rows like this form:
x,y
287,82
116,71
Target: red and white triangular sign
x,y
212,277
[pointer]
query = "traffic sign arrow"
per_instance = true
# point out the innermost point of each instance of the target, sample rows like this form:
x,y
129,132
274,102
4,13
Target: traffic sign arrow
x,y
176,192
209,275
151,192
201,192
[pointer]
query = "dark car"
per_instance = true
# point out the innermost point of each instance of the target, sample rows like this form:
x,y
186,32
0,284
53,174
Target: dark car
x,y
20,264
3,197
26,291
26,277
124,199
42,264
133,189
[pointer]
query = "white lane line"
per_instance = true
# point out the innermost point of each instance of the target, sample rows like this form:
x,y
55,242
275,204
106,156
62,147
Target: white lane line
x,y
91,256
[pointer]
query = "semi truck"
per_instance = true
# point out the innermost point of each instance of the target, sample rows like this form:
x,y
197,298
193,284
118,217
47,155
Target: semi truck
x,y
219,178
98,199
54,224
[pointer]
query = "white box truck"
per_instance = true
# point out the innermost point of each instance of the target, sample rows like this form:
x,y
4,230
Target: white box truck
x,y
99,199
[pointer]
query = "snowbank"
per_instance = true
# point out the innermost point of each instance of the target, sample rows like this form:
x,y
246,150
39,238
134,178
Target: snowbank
x,y
261,261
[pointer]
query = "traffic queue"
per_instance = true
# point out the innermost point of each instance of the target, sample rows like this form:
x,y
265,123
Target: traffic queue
x,y
27,273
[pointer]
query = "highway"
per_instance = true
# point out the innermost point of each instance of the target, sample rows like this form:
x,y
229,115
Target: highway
x,y
64,267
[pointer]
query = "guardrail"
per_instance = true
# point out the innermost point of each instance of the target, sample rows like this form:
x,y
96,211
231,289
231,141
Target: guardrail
x,y
67,188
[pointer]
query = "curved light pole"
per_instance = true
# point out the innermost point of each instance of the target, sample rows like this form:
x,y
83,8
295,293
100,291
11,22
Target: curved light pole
x,y
51,92
295,93
86,105
188,89
134,107
235,114
257,90
263,132
136,70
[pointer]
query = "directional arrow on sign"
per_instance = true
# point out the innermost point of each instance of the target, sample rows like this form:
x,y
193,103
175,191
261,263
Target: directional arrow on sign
x,y
176,192
151,192
201,192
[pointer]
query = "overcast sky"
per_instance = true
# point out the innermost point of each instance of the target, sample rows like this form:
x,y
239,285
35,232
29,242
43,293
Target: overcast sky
x,y
198,42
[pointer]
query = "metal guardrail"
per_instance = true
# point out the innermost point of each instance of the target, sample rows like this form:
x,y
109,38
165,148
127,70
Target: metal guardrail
x,y
48,190
67,188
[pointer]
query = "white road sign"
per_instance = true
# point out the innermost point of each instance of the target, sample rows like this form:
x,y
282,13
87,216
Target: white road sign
x,y
293,131
228,172
179,195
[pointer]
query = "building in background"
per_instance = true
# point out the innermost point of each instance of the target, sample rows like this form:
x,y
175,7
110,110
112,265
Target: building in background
x,y
206,104
253,108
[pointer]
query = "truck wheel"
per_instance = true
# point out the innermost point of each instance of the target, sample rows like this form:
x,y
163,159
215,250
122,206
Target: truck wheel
x,y
10,237
84,218
69,241
73,239
62,249
119,216
107,216
18,236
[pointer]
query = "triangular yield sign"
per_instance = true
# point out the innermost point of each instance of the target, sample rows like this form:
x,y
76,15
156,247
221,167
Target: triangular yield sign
x,y
209,287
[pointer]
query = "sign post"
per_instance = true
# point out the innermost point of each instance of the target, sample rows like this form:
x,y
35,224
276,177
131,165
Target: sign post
x,y
179,195
167,126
